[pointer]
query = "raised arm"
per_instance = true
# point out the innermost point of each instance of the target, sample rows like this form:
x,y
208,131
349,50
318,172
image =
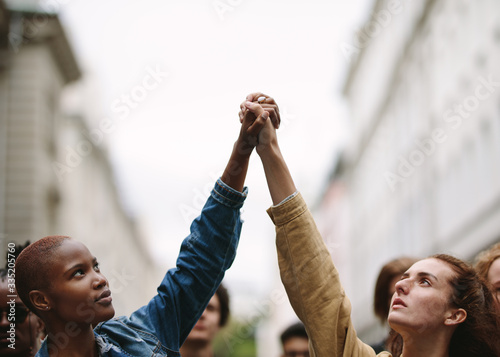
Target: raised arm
x,y
236,169
279,179
307,271
205,255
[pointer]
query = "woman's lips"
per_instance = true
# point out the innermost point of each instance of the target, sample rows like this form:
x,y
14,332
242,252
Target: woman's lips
x,y
105,297
398,303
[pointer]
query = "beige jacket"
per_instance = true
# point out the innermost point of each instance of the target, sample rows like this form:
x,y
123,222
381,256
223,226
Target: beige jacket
x,y
312,283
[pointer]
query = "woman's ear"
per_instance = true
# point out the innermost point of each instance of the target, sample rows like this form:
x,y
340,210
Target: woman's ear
x,y
39,300
457,316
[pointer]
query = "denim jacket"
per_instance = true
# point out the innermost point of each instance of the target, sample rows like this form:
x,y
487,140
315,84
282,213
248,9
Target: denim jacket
x,y
160,327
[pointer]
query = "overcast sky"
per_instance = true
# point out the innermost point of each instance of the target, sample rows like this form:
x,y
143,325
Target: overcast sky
x,y
172,74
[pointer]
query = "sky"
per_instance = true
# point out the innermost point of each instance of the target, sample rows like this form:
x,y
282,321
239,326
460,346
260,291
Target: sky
x,y
171,75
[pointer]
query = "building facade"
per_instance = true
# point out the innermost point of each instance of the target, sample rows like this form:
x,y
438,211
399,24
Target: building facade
x,y
421,172
53,179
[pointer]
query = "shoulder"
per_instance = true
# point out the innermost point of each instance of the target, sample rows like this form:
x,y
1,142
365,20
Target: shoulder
x,y
131,335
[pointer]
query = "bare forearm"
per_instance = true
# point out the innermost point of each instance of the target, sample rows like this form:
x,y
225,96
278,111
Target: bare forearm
x,y
279,179
236,169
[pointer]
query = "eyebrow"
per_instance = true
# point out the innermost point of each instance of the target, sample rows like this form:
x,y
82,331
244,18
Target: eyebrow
x,y
79,265
421,274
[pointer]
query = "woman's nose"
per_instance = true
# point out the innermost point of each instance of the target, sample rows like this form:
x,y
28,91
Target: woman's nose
x,y
99,281
402,286
3,317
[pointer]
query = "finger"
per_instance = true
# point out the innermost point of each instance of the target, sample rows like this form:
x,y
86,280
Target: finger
x,y
243,111
274,114
252,96
262,98
255,108
267,133
258,124
268,102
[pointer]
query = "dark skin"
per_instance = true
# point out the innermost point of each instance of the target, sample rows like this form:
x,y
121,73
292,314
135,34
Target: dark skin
x,y
73,301
74,306
279,179
235,173
27,332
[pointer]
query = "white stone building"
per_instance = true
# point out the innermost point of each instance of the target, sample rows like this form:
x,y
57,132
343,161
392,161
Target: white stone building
x,y
421,172
41,192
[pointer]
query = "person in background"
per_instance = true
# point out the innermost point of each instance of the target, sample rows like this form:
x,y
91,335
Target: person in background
x,y
385,287
199,342
487,265
22,340
441,306
294,341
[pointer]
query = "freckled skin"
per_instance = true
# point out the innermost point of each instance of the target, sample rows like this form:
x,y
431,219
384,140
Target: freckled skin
x,y
425,291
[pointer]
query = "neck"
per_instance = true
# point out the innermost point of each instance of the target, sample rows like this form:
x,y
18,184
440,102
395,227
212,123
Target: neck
x,y
73,341
429,345
196,350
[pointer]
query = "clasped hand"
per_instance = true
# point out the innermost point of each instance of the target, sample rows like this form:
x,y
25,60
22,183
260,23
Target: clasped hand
x,y
257,130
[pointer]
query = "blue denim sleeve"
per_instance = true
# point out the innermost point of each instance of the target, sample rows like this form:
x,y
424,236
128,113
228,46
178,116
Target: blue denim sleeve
x,y
205,255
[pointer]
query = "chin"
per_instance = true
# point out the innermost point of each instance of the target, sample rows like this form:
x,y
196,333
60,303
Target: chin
x,y
199,336
102,316
110,315
396,323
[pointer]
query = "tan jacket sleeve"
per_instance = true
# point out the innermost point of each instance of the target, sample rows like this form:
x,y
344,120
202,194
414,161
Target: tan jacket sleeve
x,y
312,283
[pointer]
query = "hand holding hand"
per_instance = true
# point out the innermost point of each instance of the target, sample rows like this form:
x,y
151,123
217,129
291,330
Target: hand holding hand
x,y
278,177
266,139
257,105
252,124
266,102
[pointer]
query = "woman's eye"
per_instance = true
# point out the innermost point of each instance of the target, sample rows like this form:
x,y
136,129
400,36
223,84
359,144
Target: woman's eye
x,y
96,267
79,272
425,282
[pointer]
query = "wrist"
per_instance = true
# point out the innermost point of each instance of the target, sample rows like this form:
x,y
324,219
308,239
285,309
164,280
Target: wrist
x,y
269,151
243,148
235,172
